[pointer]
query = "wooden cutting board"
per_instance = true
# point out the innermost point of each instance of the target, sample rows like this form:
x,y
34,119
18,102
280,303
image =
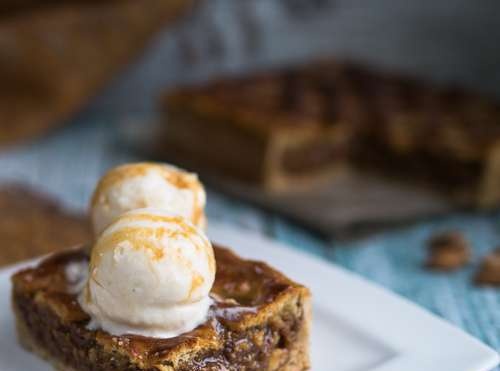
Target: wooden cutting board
x,y
350,205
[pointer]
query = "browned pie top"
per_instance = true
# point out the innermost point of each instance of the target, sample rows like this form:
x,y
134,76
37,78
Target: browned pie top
x,y
245,293
329,92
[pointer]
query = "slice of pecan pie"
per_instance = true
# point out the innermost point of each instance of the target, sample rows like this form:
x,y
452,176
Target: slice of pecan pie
x,y
259,320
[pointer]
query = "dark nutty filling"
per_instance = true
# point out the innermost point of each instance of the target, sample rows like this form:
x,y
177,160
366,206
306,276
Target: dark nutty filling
x,y
70,343
442,171
250,350
75,346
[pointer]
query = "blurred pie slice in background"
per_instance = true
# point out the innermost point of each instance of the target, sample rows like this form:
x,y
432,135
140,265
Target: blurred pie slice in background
x,y
295,125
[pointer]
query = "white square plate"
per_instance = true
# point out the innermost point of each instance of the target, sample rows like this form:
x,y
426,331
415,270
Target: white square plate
x,y
358,326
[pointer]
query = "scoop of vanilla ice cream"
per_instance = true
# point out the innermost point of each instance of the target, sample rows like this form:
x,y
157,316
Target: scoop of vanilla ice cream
x,y
150,274
141,185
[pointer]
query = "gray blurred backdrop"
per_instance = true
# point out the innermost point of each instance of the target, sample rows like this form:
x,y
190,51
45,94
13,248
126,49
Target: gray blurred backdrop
x,y
444,40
